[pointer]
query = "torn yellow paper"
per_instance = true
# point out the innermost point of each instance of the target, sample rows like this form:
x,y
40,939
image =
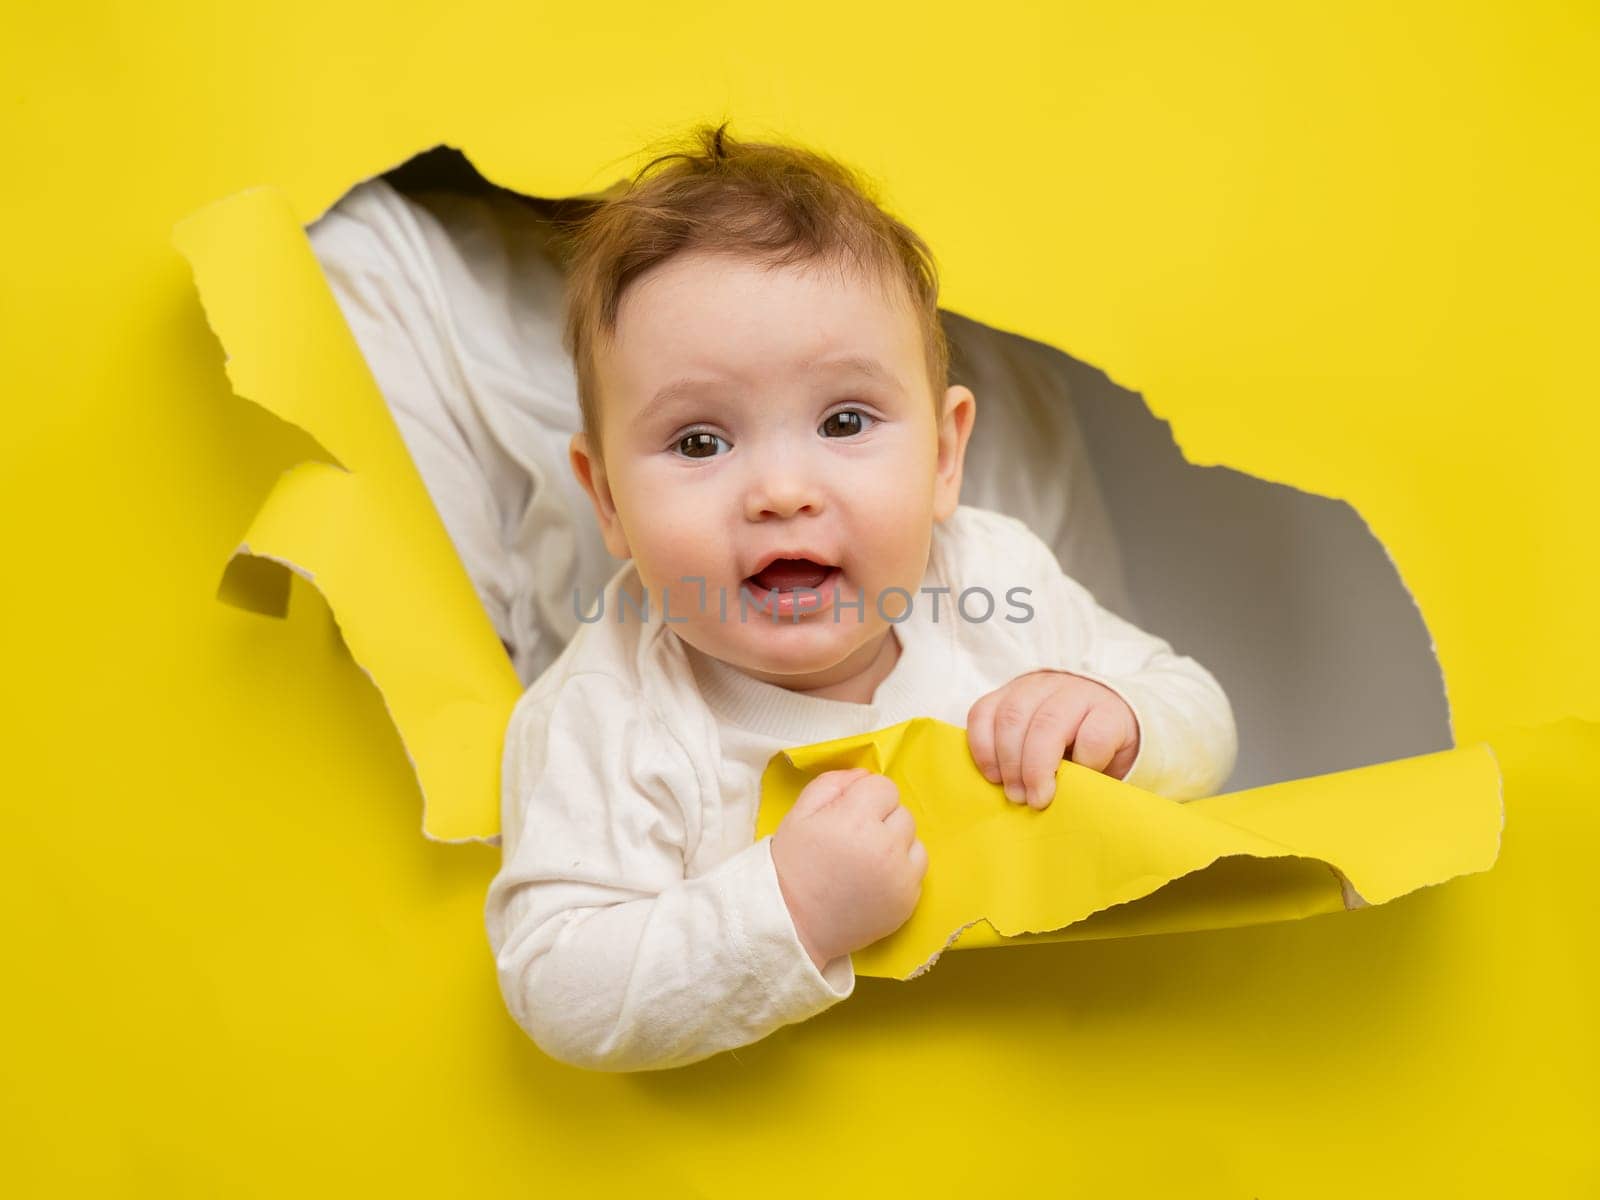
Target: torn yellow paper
x,y
363,530
1106,859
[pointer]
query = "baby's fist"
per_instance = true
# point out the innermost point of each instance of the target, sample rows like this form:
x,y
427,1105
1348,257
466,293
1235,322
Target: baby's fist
x,y
849,862
1019,733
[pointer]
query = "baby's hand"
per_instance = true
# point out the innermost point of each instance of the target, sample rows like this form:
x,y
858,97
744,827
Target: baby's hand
x,y
1019,733
849,862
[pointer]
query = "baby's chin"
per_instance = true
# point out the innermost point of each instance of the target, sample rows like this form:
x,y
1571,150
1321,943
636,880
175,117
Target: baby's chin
x,y
791,654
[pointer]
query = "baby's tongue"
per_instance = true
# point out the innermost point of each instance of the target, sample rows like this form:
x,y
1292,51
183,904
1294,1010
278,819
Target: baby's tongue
x,y
787,573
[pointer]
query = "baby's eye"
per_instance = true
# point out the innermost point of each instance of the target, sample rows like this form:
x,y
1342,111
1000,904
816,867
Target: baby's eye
x,y
699,444
844,423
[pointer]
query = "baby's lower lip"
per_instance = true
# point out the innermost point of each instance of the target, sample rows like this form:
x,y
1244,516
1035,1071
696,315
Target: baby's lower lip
x,y
790,602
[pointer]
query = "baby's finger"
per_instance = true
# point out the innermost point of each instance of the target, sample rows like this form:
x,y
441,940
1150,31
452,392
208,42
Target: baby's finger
x,y
918,857
825,789
902,825
1124,759
1098,739
875,795
1012,716
980,735
1049,734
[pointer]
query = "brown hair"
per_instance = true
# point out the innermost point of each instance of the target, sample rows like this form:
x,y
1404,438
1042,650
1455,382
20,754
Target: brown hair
x,y
780,205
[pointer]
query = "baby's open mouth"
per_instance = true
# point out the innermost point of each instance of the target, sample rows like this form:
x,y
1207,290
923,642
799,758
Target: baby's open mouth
x,y
786,574
788,587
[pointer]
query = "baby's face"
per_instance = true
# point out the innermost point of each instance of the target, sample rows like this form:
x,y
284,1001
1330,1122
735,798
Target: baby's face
x,y
767,430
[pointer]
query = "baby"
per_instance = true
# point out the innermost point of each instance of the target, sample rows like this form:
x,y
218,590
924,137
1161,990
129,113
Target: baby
x,y
769,439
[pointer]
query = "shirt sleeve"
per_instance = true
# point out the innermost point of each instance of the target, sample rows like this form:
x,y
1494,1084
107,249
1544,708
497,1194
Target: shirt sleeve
x,y
1187,738
608,956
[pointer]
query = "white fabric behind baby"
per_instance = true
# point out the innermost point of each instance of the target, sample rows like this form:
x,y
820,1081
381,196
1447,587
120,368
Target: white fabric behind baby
x,y
1027,456
456,306
455,301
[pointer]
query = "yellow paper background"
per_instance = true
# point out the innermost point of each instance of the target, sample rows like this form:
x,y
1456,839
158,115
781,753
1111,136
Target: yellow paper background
x,y
1351,249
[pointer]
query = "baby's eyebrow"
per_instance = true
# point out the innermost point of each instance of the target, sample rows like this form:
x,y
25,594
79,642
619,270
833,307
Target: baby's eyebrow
x,y
855,364
691,386
686,388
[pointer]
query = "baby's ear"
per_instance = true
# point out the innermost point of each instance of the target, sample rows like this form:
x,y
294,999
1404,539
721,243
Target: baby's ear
x,y
955,427
591,473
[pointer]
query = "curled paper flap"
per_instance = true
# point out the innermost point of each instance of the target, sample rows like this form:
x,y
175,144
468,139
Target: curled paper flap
x,y
362,529
1106,859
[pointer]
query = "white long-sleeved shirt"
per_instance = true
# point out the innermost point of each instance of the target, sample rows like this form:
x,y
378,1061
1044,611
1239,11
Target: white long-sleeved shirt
x,y
636,922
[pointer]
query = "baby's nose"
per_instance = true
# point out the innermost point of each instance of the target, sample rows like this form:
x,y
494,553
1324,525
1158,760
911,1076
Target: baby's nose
x,y
781,489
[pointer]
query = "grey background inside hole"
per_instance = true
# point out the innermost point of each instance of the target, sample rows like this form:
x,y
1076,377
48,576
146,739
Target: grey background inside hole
x,y
1286,597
